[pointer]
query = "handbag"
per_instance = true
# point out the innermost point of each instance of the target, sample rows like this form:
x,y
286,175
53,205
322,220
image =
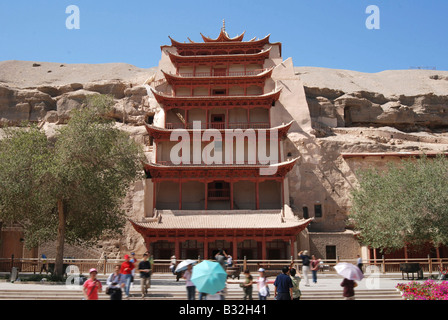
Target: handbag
x,y
109,290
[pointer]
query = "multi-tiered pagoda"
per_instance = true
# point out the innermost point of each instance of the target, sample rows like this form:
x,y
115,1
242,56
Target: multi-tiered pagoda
x,y
236,201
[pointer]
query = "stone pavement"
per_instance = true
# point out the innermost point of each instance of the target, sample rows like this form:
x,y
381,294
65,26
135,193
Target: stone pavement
x,y
165,287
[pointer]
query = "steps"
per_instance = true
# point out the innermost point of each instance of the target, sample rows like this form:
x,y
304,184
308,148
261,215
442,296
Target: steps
x,y
165,287
179,293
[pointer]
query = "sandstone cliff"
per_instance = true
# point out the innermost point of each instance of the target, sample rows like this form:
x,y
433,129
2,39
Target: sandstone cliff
x,y
403,110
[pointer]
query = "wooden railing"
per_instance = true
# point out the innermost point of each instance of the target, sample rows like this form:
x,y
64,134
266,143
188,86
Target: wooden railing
x,y
225,73
106,266
220,125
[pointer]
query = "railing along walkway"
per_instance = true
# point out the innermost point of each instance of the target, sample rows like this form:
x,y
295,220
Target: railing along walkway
x,y
106,266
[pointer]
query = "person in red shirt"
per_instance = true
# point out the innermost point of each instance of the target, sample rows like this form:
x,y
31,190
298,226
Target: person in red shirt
x,y
92,286
126,270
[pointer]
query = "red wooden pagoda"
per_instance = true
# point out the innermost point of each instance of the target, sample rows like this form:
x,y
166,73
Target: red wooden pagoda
x,y
201,207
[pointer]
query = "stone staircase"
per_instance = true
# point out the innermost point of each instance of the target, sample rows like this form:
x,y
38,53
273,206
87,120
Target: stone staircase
x,y
168,289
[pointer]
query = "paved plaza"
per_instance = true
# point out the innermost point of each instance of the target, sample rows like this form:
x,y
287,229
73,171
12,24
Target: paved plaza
x,y
165,287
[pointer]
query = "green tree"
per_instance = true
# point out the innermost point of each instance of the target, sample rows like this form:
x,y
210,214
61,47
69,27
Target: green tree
x,y
70,191
405,205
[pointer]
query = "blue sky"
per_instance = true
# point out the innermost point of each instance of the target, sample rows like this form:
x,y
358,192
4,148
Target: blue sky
x,y
318,33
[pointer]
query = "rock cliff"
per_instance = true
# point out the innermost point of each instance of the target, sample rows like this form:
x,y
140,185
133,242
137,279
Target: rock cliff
x,y
404,110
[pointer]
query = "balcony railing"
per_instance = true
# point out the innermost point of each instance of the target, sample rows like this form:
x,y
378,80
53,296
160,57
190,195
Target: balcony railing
x,y
225,73
205,163
218,194
220,125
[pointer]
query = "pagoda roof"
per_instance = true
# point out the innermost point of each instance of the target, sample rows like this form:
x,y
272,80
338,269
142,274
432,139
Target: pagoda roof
x,y
217,171
170,101
164,134
221,58
191,44
224,222
224,37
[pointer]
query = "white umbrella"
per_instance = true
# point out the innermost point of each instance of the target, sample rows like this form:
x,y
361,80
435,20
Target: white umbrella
x,y
184,264
349,271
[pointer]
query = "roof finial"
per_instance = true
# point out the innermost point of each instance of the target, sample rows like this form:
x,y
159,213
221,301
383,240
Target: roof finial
x,y
223,25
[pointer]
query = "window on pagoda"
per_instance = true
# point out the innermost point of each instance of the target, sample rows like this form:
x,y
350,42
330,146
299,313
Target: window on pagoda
x,y
218,190
219,92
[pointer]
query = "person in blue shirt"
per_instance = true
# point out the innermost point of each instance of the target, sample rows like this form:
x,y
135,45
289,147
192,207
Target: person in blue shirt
x,y
283,286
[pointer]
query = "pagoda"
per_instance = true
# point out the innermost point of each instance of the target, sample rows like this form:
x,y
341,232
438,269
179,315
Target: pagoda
x,y
230,197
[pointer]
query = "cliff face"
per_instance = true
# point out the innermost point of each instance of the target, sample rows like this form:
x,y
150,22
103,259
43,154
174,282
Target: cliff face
x,y
350,112
408,100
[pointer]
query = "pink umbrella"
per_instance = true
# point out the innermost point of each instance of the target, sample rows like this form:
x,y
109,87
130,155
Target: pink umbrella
x,y
349,271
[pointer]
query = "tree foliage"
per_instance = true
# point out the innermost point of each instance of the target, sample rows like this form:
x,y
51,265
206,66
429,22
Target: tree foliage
x,y
406,205
71,190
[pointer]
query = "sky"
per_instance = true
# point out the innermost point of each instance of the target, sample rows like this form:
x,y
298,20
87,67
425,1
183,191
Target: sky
x,y
333,34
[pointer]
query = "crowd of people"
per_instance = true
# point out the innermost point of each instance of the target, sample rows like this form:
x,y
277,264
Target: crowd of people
x,y
286,284
120,281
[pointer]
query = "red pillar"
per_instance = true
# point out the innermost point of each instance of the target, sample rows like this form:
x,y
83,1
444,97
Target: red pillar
x,y
180,194
257,194
263,249
235,250
177,248
231,195
205,256
206,195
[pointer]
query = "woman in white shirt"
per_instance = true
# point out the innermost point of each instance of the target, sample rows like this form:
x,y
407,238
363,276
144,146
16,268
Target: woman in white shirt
x,y
263,288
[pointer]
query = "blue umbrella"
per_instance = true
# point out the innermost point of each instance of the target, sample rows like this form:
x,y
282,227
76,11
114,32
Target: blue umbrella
x,y
209,277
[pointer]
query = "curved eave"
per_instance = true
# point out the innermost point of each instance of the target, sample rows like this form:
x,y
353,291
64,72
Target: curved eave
x,y
160,171
224,37
159,225
260,55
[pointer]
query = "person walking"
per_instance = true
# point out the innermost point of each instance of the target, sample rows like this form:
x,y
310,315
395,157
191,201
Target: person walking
x,y
247,285
295,278
133,259
359,263
191,288
92,286
126,270
115,284
283,286
229,261
305,266
263,288
314,265
144,267
44,264
349,289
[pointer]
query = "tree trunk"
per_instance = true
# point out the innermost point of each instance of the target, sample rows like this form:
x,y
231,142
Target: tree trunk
x,y
59,263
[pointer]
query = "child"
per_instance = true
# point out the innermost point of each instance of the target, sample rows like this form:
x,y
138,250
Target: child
x,y
247,285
